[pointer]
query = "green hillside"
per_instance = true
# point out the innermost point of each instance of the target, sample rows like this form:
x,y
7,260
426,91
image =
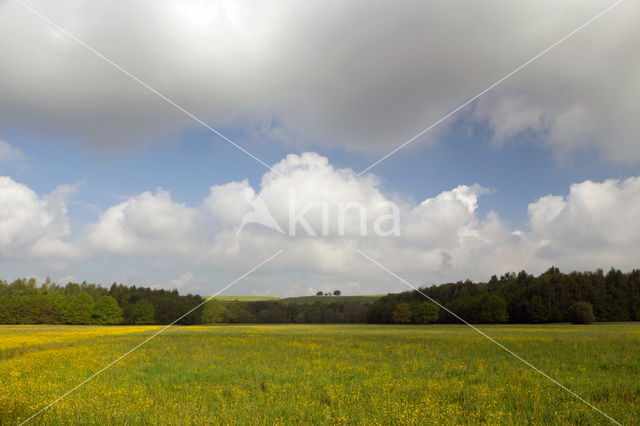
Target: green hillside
x,y
301,299
331,299
245,298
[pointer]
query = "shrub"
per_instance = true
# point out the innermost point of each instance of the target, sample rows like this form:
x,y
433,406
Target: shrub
x,y
581,313
494,310
106,311
426,313
212,312
144,313
402,313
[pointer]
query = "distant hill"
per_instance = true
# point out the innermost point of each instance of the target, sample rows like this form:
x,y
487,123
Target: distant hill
x,y
245,298
331,299
300,300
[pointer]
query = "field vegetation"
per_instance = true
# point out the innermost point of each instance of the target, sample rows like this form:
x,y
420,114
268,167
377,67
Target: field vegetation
x,y
301,300
320,374
551,297
245,298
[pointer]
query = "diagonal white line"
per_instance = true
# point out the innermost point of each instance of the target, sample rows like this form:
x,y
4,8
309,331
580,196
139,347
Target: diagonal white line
x,y
491,339
142,83
139,345
422,132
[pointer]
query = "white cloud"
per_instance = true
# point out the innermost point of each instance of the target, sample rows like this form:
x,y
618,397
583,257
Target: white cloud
x,y
441,221
595,225
151,237
230,202
29,223
147,224
181,281
12,158
442,238
358,75
153,225
10,154
53,248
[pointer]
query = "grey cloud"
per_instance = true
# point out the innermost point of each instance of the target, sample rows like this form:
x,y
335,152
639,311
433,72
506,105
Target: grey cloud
x,y
360,75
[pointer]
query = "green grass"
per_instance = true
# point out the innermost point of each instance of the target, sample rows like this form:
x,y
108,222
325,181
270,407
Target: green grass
x,y
301,299
331,299
319,374
245,298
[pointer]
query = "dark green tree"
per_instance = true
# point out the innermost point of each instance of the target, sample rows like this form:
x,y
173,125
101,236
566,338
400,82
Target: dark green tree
x,y
75,308
144,313
426,313
581,313
106,311
402,313
494,310
212,312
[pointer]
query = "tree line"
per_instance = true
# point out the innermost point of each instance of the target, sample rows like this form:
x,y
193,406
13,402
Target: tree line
x,y
274,311
579,297
523,298
25,302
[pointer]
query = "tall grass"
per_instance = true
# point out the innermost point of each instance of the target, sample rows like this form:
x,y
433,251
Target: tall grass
x,y
316,374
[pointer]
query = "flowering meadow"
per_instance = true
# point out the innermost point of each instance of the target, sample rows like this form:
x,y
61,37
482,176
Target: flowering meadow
x,y
320,374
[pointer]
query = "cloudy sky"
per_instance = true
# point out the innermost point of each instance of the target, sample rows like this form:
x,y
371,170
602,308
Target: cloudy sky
x,y
104,180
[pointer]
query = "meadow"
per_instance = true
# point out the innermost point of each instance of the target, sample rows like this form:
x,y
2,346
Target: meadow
x,y
335,374
331,299
301,299
245,298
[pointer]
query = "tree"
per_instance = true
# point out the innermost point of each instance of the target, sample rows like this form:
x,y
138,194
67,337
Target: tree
x,y
328,316
212,312
246,317
75,308
143,312
5,315
236,312
536,309
275,314
402,313
313,316
494,310
426,313
337,293
581,313
106,311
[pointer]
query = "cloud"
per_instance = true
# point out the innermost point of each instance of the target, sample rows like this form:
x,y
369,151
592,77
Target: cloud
x,y
10,154
54,248
442,238
12,158
145,225
181,281
326,214
596,224
309,196
357,75
150,236
34,225
453,212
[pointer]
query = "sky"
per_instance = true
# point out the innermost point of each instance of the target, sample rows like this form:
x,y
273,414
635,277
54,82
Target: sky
x,y
111,172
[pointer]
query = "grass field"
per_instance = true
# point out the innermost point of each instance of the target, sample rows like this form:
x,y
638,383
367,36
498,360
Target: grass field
x,y
320,374
245,298
301,299
330,299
